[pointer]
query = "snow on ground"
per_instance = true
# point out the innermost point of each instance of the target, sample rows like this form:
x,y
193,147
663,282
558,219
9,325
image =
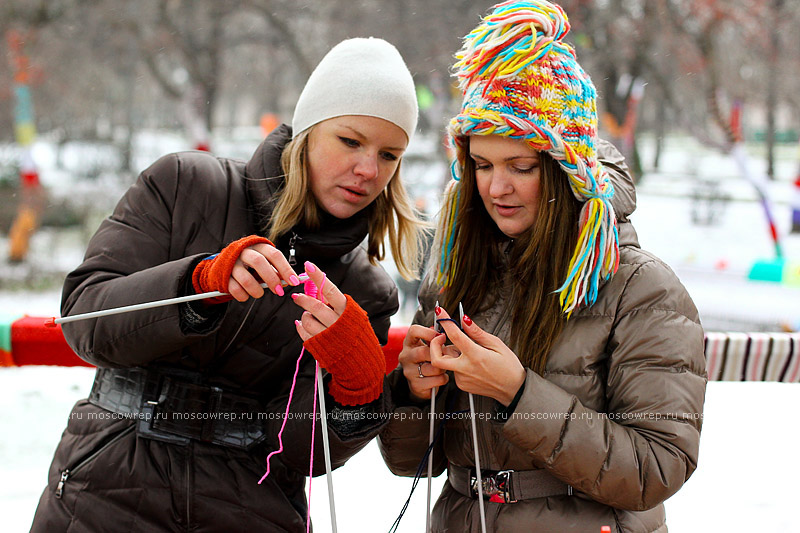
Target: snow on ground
x,y
748,467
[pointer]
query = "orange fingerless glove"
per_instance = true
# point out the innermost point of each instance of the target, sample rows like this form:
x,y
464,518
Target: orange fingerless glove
x,y
214,272
352,355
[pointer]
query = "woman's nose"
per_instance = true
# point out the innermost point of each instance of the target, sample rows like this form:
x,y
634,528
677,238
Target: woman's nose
x,y
500,185
367,166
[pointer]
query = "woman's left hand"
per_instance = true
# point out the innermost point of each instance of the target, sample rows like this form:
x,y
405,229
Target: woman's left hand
x,y
337,332
486,366
319,314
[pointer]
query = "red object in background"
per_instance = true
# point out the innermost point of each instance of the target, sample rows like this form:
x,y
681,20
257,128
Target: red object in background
x,y
34,341
795,205
29,179
202,146
34,344
393,346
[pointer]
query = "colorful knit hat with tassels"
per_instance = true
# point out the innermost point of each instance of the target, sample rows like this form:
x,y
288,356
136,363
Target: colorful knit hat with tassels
x,y
519,80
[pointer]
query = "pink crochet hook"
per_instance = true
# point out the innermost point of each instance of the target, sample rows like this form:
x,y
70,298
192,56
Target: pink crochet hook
x,y
51,322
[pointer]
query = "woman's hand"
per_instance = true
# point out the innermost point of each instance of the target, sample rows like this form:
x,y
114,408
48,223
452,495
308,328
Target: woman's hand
x,y
337,332
239,268
415,359
257,263
483,364
319,314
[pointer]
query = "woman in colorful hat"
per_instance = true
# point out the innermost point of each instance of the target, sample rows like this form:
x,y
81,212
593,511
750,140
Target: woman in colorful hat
x,y
583,352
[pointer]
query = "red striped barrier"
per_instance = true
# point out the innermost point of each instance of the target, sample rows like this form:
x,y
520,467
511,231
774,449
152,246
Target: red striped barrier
x,y
33,344
729,356
29,342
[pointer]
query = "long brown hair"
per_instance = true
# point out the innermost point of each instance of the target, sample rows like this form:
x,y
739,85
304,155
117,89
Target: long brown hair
x,y
391,214
537,264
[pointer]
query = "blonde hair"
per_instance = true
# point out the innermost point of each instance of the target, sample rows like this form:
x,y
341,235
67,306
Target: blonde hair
x,y
391,213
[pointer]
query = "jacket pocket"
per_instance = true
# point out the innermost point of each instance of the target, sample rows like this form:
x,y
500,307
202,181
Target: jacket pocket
x,y
78,465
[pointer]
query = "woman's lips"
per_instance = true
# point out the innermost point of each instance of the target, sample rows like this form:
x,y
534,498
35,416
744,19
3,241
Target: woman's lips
x,y
353,194
506,210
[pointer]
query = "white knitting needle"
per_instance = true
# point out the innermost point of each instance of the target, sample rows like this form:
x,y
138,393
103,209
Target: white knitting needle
x,y
51,322
475,442
436,327
316,292
326,447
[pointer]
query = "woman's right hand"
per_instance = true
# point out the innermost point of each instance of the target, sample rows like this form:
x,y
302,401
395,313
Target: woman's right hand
x,y
415,359
240,268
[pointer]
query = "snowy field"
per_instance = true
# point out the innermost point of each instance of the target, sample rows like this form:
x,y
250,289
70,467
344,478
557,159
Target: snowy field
x,y
748,468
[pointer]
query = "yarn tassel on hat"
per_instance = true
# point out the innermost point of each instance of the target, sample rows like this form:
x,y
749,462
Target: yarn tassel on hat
x,y
596,255
445,237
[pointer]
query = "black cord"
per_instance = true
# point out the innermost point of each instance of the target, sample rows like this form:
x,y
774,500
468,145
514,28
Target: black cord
x,y
420,469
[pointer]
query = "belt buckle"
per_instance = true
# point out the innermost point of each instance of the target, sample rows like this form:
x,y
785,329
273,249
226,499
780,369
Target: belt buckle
x,y
496,487
144,427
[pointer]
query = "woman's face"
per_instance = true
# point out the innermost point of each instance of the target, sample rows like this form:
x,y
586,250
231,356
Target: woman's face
x,y
351,160
507,175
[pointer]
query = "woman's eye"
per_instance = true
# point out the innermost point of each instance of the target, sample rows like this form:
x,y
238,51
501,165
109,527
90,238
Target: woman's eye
x,y
349,142
526,170
388,156
482,166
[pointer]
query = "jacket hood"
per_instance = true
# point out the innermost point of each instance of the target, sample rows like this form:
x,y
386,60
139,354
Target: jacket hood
x,y
264,178
624,199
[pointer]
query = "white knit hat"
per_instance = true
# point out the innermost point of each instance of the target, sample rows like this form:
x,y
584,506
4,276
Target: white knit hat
x,y
359,77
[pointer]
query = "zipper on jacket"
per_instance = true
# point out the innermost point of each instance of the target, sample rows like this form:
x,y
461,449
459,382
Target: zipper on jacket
x,y
292,251
67,472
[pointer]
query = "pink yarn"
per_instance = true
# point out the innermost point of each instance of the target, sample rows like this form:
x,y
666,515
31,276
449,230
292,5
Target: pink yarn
x,y
311,454
310,289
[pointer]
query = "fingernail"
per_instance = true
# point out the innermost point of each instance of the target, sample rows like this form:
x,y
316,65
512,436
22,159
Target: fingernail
x,y
467,320
296,322
310,267
295,296
279,289
437,310
293,280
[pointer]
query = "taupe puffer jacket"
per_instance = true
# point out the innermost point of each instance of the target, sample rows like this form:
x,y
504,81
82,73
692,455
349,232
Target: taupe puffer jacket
x,y
636,356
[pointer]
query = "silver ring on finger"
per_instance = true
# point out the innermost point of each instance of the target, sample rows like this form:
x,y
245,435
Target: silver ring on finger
x,y
419,369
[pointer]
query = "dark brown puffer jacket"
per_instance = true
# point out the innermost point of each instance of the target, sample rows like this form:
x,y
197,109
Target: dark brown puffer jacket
x,y
616,415
181,209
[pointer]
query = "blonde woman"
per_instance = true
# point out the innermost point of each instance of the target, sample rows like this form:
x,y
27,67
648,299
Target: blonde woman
x,y
188,400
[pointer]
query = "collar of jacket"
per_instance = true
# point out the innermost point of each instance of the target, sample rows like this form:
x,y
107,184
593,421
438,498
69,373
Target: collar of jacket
x,y
264,178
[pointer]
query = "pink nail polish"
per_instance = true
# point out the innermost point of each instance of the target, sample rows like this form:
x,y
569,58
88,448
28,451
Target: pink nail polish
x,y
467,320
295,295
296,322
293,280
279,289
310,267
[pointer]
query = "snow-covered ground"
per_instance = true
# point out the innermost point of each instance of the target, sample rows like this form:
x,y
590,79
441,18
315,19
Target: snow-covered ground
x,y
748,469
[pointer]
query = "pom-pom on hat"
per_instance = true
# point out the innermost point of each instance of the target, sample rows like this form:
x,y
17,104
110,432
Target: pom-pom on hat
x,y
520,80
361,76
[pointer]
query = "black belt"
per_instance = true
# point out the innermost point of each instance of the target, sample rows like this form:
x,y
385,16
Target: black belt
x,y
507,486
175,406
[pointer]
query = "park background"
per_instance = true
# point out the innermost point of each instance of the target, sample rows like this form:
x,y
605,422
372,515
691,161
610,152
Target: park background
x,y
702,96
